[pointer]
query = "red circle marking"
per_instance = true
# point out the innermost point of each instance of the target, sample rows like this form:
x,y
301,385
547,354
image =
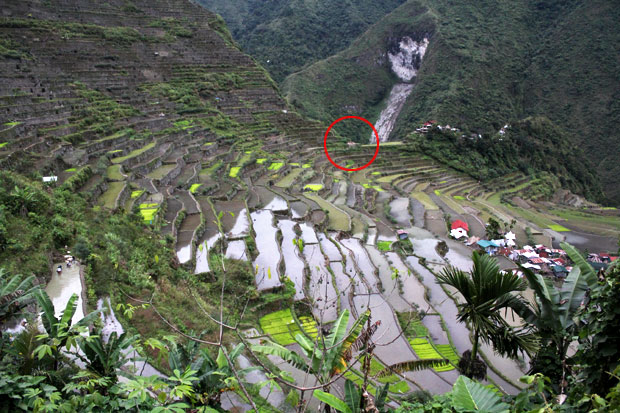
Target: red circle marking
x,y
330,128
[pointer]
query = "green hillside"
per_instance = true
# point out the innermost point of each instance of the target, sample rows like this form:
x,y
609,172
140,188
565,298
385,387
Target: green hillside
x,y
286,35
487,64
356,81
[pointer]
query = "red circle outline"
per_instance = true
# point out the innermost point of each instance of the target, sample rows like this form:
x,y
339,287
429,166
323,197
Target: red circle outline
x,y
330,128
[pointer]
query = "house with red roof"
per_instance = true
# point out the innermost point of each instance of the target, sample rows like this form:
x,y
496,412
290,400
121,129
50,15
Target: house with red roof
x,y
459,229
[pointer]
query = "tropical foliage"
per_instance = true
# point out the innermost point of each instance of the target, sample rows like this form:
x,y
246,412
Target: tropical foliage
x,y
487,293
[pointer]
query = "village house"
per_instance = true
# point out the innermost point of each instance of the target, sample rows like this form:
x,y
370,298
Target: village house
x,y
459,229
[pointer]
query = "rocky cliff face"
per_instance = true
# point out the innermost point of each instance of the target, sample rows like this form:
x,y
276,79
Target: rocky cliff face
x,y
406,57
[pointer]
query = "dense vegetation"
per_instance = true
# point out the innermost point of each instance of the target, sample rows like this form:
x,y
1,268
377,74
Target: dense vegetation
x,y
357,80
284,36
529,146
488,64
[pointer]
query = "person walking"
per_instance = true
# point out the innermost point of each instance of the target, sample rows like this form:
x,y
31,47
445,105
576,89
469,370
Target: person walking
x,y
59,270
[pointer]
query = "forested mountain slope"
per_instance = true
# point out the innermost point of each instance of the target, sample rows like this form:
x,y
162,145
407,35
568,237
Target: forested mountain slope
x,y
285,35
487,64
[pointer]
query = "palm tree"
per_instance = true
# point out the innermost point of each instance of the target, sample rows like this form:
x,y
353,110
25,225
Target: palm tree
x,y
330,356
555,313
487,292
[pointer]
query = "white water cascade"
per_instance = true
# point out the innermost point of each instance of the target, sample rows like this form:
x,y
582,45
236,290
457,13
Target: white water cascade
x,y
405,63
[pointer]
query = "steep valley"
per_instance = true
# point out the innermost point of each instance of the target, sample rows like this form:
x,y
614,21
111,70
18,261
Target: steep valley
x,y
203,212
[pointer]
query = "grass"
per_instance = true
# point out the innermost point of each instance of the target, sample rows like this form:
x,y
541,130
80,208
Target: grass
x,y
425,351
108,199
459,197
234,171
12,123
411,325
137,193
276,166
135,153
447,351
424,200
558,228
282,328
114,173
288,180
306,165
71,170
389,178
194,188
338,219
148,214
314,187
3,144
161,172
384,246
261,161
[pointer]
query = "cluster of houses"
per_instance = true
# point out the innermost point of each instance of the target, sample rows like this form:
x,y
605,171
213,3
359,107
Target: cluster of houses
x,y
433,123
538,258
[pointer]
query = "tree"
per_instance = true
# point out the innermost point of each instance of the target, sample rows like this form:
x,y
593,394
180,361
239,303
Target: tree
x,y
106,358
599,349
59,330
493,229
555,314
487,293
327,356
15,294
330,357
22,200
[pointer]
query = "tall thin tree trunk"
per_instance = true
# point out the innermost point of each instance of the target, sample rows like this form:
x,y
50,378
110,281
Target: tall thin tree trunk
x,y
474,350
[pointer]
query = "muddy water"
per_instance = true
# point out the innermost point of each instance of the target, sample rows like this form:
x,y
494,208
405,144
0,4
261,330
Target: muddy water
x,y
242,225
389,284
392,347
321,285
308,234
413,290
267,262
61,288
277,204
202,254
298,209
399,209
294,265
184,253
424,244
274,396
362,260
112,325
458,331
398,95
236,250
344,283
329,248
459,255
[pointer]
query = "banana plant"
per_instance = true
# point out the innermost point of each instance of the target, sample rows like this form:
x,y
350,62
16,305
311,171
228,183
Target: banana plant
x,y
355,400
15,294
106,358
213,376
59,330
326,356
555,314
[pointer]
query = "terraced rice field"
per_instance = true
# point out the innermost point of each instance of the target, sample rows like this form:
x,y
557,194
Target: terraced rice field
x,y
282,328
